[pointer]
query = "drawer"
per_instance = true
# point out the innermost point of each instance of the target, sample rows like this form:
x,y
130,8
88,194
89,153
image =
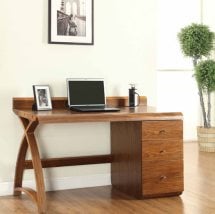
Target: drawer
x,y
162,150
160,177
162,129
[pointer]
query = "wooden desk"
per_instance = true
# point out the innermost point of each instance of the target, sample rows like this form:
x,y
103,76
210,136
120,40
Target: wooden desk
x,y
146,148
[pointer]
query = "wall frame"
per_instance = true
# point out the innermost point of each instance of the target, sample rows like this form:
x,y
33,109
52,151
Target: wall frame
x,y
71,22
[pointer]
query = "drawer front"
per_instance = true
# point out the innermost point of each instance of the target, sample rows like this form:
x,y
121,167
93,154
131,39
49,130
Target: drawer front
x,y
160,177
162,129
153,150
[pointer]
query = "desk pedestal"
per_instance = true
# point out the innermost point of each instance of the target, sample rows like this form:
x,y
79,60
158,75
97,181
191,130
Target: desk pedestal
x,y
147,158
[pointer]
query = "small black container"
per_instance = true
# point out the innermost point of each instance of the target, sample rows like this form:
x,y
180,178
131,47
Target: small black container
x,y
132,96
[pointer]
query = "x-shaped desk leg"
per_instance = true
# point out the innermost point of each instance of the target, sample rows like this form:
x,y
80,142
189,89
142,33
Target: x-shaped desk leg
x,y
29,140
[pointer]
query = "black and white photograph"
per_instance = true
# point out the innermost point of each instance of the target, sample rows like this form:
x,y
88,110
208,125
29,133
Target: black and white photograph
x,y
71,22
42,97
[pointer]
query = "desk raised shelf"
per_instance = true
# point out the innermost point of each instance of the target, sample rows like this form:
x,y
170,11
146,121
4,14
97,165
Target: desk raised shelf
x,y
146,148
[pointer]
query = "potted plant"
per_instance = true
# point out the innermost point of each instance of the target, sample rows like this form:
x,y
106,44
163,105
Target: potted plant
x,y
196,41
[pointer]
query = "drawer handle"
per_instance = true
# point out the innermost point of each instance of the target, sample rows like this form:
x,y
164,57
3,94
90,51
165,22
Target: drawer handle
x,y
159,132
162,151
163,177
162,131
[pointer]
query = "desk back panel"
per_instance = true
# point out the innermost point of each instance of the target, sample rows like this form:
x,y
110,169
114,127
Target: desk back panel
x,y
61,102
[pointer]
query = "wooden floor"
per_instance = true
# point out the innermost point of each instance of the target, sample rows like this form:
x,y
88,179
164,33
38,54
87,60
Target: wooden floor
x,y
198,197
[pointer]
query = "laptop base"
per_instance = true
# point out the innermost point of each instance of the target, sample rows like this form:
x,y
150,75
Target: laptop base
x,y
94,109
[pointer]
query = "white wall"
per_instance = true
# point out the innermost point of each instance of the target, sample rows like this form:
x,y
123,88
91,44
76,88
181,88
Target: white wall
x,y
209,16
177,90
124,52
208,13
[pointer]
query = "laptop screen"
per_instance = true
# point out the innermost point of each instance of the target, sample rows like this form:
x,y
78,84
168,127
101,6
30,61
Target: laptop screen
x,y
82,92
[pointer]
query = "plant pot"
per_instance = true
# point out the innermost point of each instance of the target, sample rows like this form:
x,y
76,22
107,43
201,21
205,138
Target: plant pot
x,y
206,139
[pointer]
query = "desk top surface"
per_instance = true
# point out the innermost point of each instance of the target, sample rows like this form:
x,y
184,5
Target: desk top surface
x,y
61,114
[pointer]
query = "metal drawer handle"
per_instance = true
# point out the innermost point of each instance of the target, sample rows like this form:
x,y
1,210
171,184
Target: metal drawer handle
x,y
163,177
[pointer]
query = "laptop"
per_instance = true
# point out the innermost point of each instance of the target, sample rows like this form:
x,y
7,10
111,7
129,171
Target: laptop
x,y
87,95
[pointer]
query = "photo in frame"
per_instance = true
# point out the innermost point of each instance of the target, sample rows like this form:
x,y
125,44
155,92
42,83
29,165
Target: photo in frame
x,y
42,97
71,22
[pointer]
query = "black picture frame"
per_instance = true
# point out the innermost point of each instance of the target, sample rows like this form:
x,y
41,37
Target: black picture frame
x,y
42,98
71,22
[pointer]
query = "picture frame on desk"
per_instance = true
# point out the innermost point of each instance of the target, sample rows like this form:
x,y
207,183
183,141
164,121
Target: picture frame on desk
x,y
42,98
71,22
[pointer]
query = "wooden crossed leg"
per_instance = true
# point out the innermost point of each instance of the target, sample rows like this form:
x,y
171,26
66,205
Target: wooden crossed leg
x,y
29,140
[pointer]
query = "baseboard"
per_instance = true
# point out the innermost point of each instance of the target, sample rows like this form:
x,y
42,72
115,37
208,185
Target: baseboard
x,y
75,182
190,141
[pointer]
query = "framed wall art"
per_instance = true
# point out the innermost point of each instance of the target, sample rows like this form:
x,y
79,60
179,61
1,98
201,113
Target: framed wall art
x,y
42,97
71,22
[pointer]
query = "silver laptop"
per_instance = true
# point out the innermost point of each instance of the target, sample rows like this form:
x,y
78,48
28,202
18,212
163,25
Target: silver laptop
x,y
87,95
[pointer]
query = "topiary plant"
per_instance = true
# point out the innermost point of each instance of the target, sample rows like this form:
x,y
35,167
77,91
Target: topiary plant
x,y
205,77
196,41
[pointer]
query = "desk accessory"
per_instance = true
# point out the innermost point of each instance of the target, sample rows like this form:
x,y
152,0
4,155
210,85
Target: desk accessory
x,y
133,96
42,98
87,95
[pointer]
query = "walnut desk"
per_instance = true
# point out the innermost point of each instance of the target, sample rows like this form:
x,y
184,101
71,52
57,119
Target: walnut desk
x,y
146,148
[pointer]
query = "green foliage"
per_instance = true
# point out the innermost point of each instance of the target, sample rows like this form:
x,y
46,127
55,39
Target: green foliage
x,y
205,75
196,40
